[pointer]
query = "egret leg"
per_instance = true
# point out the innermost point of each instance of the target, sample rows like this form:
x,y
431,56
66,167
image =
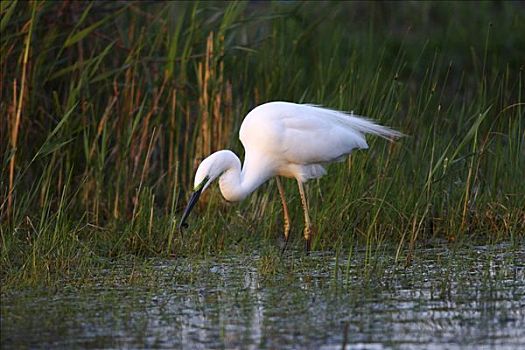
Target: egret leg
x,y
285,210
307,224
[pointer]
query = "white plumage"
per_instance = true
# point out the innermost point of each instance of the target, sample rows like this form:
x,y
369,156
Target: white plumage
x,y
290,140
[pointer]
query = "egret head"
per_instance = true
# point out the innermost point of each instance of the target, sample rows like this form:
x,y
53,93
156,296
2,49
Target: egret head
x,y
209,170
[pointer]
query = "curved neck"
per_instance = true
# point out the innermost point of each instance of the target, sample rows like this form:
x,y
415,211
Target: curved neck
x,y
235,184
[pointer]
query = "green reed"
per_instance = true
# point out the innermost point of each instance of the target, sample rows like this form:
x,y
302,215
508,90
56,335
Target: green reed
x,y
109,108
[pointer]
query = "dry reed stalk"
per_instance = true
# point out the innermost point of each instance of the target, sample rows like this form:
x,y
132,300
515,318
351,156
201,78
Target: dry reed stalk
x,y
102,124
11,125
145,125
216,130
16,122
171,146
145,168
217,141
228,111
129,93
204,73
150,224
116,212
185,150
131,102
256,96
215,100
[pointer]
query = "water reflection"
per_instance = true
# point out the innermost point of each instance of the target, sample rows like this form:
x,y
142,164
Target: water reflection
x,y
470,298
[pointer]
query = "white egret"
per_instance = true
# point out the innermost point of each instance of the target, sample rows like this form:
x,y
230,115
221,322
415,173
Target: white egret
x,y
285,139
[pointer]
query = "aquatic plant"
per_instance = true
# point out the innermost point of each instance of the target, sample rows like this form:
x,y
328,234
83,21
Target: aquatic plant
x,y
107,107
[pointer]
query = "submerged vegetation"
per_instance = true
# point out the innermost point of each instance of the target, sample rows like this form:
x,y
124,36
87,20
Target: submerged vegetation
x,y
107,108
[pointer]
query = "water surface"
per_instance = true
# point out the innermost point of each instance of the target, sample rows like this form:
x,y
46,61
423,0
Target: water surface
x,y
468,298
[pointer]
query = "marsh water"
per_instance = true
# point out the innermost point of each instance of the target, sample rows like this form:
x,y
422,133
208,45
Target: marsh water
x,y
455,298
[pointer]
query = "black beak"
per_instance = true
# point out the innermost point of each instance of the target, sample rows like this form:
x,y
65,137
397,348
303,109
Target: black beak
x,y
193,199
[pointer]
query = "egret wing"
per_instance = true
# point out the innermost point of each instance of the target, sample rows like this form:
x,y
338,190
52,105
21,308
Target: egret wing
x,y
309,139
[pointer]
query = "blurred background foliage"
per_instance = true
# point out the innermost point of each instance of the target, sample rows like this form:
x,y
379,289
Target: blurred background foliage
x,y
108,107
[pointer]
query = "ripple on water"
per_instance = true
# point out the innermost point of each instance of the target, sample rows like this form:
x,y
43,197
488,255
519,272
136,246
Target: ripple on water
x,y
467,298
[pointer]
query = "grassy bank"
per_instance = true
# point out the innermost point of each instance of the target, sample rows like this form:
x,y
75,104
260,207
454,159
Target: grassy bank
x,y
107,109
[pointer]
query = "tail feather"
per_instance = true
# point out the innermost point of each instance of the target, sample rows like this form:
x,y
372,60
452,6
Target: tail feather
x,y
368,126
359,123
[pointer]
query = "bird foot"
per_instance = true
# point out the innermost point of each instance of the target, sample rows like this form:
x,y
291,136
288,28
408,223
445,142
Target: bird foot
x,y
286,235
308,236
308,239
285,245
307,246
